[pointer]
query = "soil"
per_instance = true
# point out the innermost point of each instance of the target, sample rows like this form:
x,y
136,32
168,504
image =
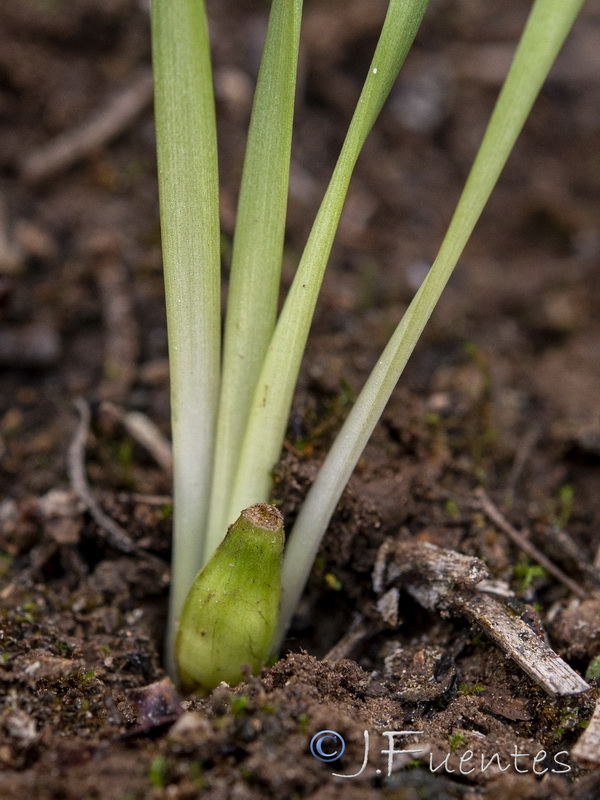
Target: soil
x,y
501,394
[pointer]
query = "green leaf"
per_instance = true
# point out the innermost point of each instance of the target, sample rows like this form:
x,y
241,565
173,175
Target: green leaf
x,y
547,26
273,396
189,196
257,250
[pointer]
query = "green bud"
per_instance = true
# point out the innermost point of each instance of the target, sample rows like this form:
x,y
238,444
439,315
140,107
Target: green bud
x,y
230,615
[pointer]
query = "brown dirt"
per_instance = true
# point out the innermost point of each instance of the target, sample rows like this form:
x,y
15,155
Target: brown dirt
x,y
502,393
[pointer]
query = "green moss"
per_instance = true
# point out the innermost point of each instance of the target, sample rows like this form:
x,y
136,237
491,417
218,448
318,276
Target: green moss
x,y
479,641
61,648
303,722
158,772
566,498
5,563
247,774
464,689
455,741
332,582
239,704
524,574
196,774
452,509
125,459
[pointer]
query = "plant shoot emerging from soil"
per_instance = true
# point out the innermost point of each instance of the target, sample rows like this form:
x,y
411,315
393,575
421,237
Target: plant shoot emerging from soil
x,y
229,617
229,419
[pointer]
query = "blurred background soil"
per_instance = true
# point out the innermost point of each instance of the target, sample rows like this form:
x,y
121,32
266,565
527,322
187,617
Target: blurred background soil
x,y
501,393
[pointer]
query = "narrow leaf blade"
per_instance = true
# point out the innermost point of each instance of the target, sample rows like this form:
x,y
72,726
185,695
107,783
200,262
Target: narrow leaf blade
x,y
272,399
188,187
257,250
547,27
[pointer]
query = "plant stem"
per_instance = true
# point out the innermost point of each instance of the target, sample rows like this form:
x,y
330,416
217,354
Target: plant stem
x,y
272,399
257,250
188,185
230,614
548,25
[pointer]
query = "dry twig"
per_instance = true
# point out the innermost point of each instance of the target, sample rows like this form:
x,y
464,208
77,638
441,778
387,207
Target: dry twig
x,y
522,455
587,749
114,534
147,499
448,582
518,641
355,634
121,335
12,259
570,553
79,142
145,433
495,515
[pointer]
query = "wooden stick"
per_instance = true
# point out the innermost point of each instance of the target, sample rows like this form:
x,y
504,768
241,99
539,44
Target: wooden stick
x,y
145,433
355,634
587,749
521,541
519,642
114,534
79,142
451,583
